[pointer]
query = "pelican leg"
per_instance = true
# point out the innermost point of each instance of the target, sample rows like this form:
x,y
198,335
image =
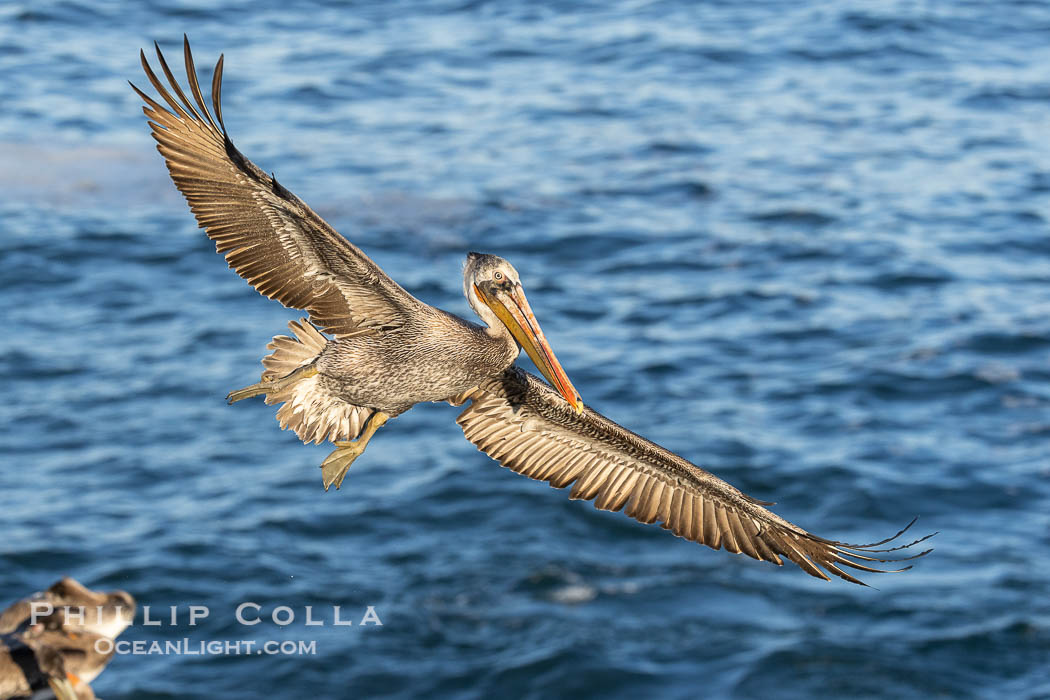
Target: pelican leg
x,y
273,385
335,465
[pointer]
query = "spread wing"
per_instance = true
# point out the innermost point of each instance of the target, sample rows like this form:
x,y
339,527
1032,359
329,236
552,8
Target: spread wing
x,y
270,237
518,420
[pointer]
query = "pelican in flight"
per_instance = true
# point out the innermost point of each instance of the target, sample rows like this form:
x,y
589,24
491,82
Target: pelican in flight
x,y
369,351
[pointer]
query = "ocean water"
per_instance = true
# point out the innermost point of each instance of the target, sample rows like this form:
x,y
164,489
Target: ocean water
x,y
805,245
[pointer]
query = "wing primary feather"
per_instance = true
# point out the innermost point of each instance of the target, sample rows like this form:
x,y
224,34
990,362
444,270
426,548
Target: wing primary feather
x,y
743,538
864,557
175,85
216,93
179,112
843,575
876,544
766,551
889,549
794,554
869,569
195,88
152,104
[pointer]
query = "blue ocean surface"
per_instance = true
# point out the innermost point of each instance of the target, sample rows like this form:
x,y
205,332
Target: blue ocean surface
x,y
804,245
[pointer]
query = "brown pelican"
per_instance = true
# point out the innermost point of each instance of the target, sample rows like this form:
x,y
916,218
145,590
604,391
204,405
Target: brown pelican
x,y
390,351
60,639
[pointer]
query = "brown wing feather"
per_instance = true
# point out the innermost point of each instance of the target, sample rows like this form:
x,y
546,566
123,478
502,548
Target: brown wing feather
x,y
526,426
269,236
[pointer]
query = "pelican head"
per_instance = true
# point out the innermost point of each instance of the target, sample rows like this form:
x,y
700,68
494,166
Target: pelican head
x,y
491,284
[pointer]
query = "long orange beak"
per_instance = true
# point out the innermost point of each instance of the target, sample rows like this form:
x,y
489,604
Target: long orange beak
x,y
513,309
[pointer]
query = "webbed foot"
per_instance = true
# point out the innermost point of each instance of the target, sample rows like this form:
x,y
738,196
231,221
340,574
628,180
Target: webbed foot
x,y
335,465
266,387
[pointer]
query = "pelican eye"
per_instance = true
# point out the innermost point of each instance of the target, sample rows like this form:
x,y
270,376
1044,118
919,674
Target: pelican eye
x,y
498,275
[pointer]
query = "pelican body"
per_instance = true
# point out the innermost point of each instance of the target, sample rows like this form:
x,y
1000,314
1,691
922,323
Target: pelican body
x,y
369,351
437,355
